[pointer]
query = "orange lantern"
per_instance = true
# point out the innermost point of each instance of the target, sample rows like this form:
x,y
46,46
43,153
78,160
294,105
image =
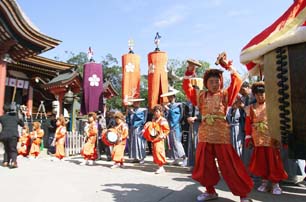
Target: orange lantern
x,y
130,77
157,77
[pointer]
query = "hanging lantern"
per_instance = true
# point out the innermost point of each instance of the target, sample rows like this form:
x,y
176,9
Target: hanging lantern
x,y
92,87
55,107
130,77
68,97
157,77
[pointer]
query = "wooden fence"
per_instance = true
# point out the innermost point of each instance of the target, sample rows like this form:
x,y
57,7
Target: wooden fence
x,y
74,143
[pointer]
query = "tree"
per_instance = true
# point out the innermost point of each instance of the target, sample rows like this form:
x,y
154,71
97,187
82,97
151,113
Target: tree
x,y
109,60
79,60
113,72
144,90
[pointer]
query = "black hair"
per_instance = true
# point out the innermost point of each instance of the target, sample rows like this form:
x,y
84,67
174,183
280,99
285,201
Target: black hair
x,y
258,87
245,84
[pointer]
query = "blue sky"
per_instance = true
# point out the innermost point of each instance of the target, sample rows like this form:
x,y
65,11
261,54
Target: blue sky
x,y
197,29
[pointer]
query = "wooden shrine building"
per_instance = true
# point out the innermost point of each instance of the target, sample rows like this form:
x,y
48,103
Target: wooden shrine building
x,y
25,77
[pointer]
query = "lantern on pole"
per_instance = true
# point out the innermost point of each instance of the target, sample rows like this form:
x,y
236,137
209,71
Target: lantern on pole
x,y
130,74
157,74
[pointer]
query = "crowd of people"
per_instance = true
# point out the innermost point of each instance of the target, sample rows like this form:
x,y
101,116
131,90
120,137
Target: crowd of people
x,y
228,131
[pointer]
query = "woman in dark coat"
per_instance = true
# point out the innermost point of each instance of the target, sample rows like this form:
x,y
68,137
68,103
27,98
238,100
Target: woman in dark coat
x,y
9,135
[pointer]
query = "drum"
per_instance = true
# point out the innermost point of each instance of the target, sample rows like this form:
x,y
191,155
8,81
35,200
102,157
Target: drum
x,y
110,137
197,82
284,70
151,131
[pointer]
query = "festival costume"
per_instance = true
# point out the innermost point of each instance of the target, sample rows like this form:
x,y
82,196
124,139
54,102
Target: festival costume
x,y
119,147
246,151
159,155
36,137
89,150
60,135
174,116
136,120
214,140
266,159
25,142
158,144
236,118
193,134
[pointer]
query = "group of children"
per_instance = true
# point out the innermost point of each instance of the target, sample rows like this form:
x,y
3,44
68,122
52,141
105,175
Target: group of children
x,y
30,142
121,129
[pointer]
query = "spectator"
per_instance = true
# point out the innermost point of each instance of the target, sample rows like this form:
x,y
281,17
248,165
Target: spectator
x,y
9,135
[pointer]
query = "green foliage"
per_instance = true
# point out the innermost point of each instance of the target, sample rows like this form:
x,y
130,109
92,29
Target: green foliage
x,y
109,61
79,60
144,89
115,102
113,72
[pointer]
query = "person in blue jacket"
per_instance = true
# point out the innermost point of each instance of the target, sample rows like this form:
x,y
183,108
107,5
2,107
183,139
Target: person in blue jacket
x,y
136,119
174,115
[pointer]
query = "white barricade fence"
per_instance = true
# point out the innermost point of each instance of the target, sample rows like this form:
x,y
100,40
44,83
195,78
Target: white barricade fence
x,y
74,143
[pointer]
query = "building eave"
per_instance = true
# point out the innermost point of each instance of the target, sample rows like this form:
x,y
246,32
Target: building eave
x,y
46,62
27,40
73,81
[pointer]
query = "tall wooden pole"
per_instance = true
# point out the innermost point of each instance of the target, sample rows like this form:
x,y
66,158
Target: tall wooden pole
x,y
2,84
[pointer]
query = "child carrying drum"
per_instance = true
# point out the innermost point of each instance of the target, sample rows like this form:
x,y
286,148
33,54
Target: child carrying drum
x,y
156,132
122,131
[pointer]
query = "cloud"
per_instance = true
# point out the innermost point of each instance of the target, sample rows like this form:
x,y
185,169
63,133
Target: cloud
x,y
171,16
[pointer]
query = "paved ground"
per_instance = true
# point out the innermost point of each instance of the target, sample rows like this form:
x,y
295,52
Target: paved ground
x,y
43,180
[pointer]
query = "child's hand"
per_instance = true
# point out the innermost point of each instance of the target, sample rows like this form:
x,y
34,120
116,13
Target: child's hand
x,y
191,120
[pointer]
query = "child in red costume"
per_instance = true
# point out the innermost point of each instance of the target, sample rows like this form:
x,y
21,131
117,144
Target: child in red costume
x,y
214,134
266,160
89,151
60,135
24,141
123,132
160,124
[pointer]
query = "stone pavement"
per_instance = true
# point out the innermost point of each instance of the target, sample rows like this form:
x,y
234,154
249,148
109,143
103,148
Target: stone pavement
x,y
43,180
